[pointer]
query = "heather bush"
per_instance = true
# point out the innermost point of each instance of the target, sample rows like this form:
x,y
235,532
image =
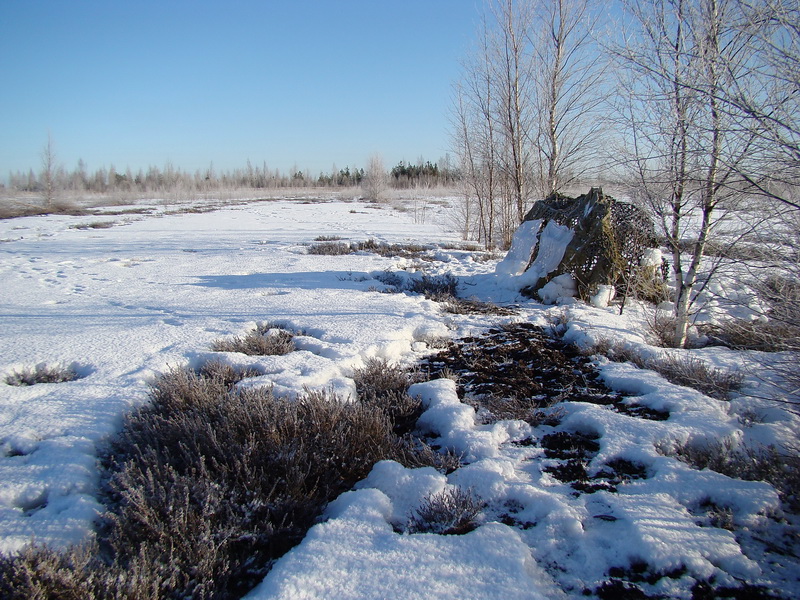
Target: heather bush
x,y
764,336
693,372
385,386
434,286
42,373
208,484
40,572
330,248
681,369
463,306
451,512
779,468
94,225
265,340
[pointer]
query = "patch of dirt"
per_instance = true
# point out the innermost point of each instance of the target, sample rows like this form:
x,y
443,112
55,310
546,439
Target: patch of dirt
x,y
512,371
520,362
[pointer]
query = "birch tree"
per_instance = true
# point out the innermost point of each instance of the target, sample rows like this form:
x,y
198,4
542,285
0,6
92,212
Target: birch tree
x,y
48,173
527,109
475,132
375,180
686,153
569,91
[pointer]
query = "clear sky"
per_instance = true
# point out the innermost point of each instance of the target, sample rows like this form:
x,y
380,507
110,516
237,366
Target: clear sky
x,y
305,83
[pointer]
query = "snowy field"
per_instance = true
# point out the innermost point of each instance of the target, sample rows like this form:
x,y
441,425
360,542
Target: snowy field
x,y
122,303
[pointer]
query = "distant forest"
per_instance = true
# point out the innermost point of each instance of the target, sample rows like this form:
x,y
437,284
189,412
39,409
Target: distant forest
x,y
167,178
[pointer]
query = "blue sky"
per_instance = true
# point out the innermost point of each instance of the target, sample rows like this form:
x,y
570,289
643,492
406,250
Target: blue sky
x,y
292,83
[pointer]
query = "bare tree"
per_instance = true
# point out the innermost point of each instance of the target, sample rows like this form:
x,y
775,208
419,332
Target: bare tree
x,y
512,75
49,173
375,180
569,92
475,131
686,152
527,109
766,96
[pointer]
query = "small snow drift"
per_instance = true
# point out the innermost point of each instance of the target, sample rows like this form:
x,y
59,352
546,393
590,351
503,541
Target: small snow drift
x,y
587,246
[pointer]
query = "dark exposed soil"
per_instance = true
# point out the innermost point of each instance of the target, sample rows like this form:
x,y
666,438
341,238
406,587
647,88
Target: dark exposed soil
x,y
521,361
514,370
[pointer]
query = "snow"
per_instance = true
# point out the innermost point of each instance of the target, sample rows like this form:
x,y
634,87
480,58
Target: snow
x,y
561,286
519,254
125,303
553,242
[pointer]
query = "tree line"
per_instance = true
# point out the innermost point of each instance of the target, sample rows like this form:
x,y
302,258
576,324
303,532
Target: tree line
x,y
53,178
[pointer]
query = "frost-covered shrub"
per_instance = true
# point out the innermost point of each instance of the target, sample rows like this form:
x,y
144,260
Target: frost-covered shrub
x,y
42,373
462,306
385,386
208,484
265,340
214,483
39,572
661,327
330,248
451,512
690,371
433,286
94,225
681,369
391,250
390,279
761,463
765,336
